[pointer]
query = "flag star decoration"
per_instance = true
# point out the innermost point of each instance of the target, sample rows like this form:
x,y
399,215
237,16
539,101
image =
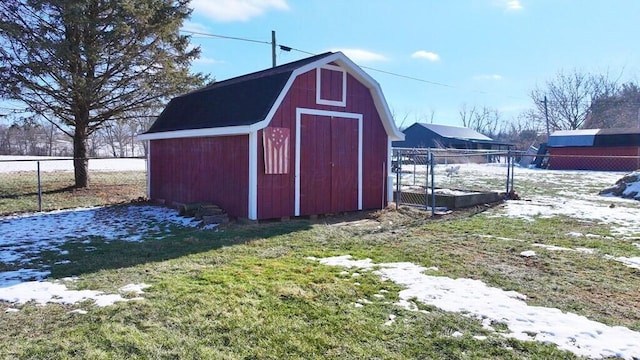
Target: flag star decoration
x,y
276,150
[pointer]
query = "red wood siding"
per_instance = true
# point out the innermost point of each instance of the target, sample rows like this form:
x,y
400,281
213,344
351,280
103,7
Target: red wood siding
x,y
331,85
212,169
620,158
276,193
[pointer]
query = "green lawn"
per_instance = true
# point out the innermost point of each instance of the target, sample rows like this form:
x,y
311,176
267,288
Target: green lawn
x,y
250,291
19,190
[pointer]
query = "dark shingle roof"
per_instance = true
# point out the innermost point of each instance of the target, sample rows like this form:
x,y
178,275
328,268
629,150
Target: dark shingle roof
x,y
244,100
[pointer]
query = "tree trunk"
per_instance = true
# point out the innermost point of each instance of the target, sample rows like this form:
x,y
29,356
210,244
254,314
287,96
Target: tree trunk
x,y
80,161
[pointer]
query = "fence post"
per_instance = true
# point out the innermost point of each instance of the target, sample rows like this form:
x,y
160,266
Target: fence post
x,y
513,168
415,158
39,187
433,186
398,171
508,171
426,180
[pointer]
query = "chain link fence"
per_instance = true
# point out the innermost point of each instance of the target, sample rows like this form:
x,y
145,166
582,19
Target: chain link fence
x,y
429,178
450,178
44,184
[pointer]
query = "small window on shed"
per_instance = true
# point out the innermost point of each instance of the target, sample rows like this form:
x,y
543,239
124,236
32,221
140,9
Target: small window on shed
x,y
331,86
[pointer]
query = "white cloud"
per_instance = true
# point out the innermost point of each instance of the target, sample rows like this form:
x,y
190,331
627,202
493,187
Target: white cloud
x,y
207,61
360,55
428,55
236,10
197,27
509,5
488,77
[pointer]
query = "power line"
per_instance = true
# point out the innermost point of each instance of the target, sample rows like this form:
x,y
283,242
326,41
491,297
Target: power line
x,y
225,37
409,77
288,48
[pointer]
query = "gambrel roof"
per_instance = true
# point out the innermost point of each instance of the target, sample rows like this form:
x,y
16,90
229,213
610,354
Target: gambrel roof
x,y
246,103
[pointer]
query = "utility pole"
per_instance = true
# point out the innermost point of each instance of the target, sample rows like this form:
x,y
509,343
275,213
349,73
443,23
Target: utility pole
x,y
546,115
273,48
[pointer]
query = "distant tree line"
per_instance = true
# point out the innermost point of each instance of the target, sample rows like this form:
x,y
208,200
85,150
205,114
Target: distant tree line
x,y
572,100
116,138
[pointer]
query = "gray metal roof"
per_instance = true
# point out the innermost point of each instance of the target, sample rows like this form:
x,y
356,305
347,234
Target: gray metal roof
x,y
455,132
564,138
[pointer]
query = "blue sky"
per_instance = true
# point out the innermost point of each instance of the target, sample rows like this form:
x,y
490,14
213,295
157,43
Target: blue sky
x,y
475,52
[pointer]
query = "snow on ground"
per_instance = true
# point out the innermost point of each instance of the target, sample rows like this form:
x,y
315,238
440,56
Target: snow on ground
x,y
545,193
44,292
23,238
573,194
570,332
29,163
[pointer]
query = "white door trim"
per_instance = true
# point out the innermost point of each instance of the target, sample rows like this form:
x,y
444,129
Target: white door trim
x,y
346,115
253,176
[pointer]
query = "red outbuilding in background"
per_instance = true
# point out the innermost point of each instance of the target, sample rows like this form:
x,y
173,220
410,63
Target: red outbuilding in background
x,y
595,149
309,137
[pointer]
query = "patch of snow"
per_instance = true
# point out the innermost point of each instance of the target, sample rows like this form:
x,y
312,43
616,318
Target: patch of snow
x,y
574,234
409,305
528,253
570,332
586,250
392,319
78,311
24,237
346,261
44,292
552,247
632,262
480,337
11,310
379,296
358,305
498,237
457,334
572,194
134,288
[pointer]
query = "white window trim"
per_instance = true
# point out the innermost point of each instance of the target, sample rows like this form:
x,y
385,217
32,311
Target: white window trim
x,y
321,101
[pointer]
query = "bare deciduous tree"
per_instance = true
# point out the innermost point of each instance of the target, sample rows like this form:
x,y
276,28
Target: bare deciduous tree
x,y
484,120
569,97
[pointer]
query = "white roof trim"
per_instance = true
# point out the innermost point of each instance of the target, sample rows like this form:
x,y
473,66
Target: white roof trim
x,y
221,131
341,59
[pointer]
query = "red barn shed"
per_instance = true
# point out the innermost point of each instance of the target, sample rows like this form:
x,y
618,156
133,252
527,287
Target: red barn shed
x,y
309,137
595,149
